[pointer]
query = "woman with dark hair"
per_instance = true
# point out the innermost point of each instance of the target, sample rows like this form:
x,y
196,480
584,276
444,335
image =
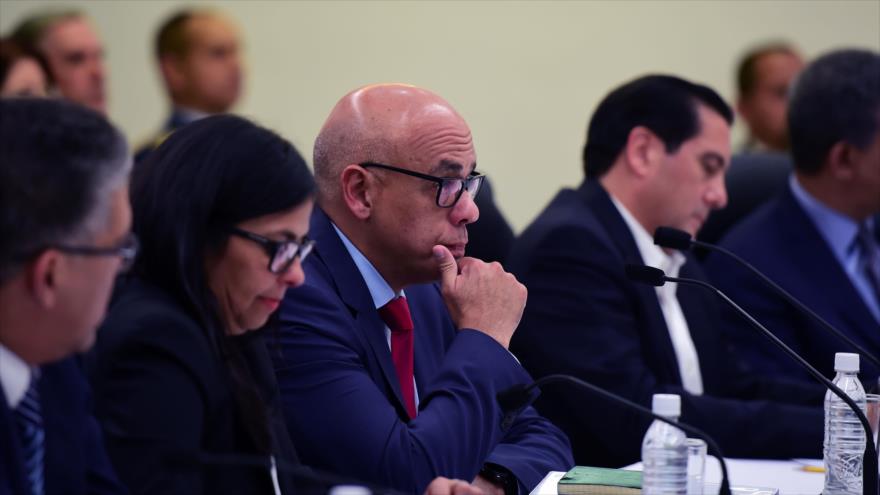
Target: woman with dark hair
x,y
184,389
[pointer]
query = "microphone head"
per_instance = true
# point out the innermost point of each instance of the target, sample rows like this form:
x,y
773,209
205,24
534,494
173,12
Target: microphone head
x,y
645,275
672,238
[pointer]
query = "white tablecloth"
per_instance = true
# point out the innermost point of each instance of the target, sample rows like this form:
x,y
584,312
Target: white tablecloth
x,y
788,476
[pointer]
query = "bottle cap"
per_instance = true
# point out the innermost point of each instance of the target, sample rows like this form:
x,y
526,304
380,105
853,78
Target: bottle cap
x,y
666,405
846,362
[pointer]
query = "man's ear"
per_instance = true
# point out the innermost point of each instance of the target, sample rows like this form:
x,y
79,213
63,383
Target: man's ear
x,y
842,161
643,150
42,276
357,190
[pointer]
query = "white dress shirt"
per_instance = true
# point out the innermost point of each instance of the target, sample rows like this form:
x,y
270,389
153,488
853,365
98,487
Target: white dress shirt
x,y
682,343
15,376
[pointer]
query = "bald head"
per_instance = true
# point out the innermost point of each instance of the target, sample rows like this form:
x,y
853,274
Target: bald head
x,y
384,123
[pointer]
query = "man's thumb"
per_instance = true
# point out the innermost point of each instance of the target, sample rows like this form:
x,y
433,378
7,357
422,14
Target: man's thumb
x,y
447,264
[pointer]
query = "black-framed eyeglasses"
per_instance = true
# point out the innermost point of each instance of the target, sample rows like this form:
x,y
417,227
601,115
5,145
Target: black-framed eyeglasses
x,y
449,189
126,249
281,253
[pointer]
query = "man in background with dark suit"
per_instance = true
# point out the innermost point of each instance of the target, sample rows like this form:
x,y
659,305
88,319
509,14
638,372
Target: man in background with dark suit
x,y
818,237
199,58
385,375
657,149
64,235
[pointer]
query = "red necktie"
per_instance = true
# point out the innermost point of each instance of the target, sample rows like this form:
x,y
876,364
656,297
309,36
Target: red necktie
x,y
396,316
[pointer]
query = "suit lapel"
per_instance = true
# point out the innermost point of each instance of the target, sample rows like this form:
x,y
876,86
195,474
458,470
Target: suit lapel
x,y
354,293
830,285
599,202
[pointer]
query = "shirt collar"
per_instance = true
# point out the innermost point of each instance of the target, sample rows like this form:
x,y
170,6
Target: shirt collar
x,y
15,376
652,254
837,229
380,290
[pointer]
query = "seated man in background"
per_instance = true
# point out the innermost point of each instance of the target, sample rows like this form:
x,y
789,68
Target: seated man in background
x,y
818,237
385,375
64,235
199,59
656,152
760,169
73,53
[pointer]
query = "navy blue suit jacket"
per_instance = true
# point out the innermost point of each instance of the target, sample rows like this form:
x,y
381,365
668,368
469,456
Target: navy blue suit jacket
x,y
175,121
75,461
585,318
782,241
342,399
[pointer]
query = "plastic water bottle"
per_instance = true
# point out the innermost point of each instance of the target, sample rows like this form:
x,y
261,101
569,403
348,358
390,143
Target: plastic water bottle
x,y
664,451
844,445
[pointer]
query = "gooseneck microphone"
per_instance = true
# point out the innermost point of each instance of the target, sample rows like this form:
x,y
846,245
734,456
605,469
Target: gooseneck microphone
x,y
657,277
514,399
671,238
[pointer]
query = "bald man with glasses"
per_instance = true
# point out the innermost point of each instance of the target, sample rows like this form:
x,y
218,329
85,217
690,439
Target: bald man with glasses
x,y
394,349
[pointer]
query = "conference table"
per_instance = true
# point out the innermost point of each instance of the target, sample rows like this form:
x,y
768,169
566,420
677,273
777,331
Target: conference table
x,y
790,477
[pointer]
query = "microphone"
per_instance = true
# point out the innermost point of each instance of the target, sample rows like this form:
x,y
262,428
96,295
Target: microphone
x,y
195,459
672,238
516,398
650,275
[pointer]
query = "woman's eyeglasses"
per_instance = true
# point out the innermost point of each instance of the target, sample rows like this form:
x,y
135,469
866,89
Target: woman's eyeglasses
x,y
282,254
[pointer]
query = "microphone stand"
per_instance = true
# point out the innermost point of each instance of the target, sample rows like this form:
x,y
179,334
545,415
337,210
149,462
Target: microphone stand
x,y
518,397
869,476
678,239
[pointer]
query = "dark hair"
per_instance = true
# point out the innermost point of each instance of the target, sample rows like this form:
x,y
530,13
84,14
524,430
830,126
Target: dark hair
x,y
207,177
11,52
836,98
171,37
666,105
58,163
746,72
31,31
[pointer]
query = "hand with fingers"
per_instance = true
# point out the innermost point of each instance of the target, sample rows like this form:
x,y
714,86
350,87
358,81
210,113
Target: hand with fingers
x,y
481,296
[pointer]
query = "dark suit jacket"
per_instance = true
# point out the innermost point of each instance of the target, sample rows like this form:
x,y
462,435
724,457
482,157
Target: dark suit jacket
x,y
752,180
175,121
782,241
163,392
342,399
75,461
585,318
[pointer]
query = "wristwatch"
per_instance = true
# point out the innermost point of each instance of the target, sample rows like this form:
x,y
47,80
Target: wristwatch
x,y
500,476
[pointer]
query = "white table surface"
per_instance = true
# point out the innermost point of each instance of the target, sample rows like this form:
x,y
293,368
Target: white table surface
x,y
788,476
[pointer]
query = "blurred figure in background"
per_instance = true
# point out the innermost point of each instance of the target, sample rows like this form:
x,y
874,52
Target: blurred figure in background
x,y
64,235
818,237
759,171
763,80
73,53
21,73
198,53
223,213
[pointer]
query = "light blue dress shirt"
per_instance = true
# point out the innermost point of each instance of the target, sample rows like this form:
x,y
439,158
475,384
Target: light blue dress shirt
x,y
839,232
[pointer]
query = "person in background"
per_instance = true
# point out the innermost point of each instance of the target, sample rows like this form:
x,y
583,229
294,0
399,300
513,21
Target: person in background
x,y
818,237
764,76
199,57
64,235
223,216
760,170
21,73
384,374
73,53
656,152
